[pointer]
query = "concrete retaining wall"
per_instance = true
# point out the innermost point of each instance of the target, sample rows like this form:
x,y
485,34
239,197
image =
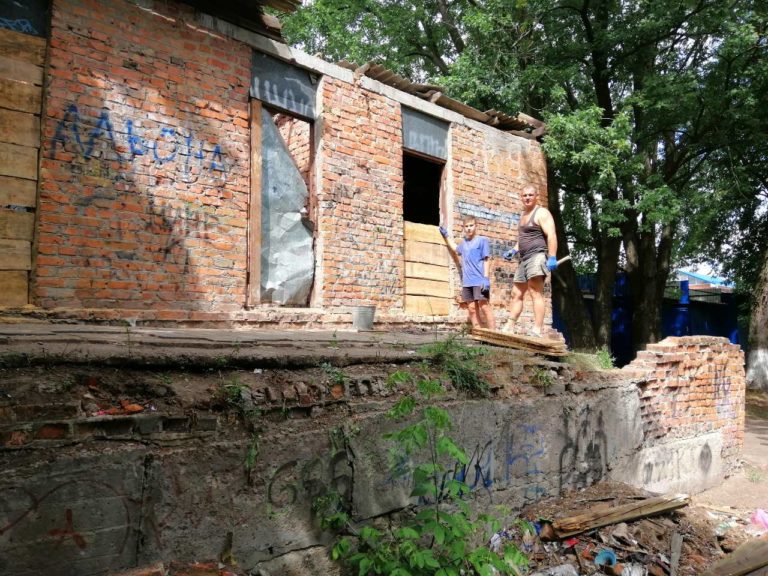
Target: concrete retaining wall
x,y
140,493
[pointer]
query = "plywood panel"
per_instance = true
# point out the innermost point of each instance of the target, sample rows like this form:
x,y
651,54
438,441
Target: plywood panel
x,y
16,225
19,128
18,161
427,305
14,287
426,253
17,192
253,290
20,96
15,255
423,233
21,71
427,271
419,286
18,46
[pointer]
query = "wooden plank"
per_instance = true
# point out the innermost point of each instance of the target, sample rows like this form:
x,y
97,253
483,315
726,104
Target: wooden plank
x,y
427,305
15,255
24,47
423,233
417,269
746,559
20,96
20,161
519,342
598,517
253,289
426,253
14,287
16,225
419,286
20,71
17,192
19,128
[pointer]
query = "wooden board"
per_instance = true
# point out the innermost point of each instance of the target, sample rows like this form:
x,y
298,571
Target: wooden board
x,y
423,233
20,96
426,271
16,225
24,47
19,128
20,161
427,305
20,71
15,255
529,343
17,192
746,559
14,287
253,288
426,252
419,286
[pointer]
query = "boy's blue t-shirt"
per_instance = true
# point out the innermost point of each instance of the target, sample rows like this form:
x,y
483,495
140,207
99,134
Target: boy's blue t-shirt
x,y
472,253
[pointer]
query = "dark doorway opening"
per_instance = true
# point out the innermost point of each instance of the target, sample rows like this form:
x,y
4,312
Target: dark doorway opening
x,y
421,189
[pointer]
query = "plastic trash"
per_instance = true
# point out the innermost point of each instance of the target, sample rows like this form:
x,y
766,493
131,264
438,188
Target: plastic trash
x,y
606,557
760,518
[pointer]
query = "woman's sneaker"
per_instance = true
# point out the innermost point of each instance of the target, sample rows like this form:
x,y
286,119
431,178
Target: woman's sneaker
x,y
534,332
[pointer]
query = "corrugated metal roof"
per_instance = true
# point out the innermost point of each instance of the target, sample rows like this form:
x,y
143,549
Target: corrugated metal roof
x,y
522,124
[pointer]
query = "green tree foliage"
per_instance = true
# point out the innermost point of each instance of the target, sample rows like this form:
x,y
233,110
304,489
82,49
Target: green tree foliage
x,y
656,116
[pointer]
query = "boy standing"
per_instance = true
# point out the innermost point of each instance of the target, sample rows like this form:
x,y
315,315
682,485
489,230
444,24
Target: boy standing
x,y
475,255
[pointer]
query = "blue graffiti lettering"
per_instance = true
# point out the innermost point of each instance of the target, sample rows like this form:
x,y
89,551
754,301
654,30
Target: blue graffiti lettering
x,y
103,126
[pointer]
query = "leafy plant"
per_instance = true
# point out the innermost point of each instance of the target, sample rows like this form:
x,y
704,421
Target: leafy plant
x,y
463,365
443,538
604,358
336,375
542,378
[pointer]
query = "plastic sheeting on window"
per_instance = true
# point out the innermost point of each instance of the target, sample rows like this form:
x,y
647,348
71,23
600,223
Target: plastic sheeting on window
x,y
287,261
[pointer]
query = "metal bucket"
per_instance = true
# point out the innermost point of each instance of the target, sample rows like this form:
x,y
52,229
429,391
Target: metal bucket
x,y
362,317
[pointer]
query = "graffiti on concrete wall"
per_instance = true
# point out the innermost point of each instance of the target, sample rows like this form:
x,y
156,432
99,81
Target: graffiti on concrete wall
x,y
177,151
524,452
63,517
675,464
297,482
583,456
476,474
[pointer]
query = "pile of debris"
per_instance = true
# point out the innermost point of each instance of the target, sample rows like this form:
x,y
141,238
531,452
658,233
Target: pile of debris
x,y
615,529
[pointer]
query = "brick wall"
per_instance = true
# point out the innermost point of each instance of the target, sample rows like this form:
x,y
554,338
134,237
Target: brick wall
x,y
691,386
144,168
360,198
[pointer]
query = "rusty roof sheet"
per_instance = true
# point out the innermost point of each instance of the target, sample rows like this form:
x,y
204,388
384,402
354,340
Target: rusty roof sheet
x,y
521,125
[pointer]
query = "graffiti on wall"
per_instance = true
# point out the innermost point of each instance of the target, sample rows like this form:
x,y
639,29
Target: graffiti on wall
x,y
177,151
524,452
676,464
61,515
583,456
477,473
302,482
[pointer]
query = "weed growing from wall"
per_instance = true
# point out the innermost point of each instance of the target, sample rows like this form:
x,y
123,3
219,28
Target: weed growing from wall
x,y
463,365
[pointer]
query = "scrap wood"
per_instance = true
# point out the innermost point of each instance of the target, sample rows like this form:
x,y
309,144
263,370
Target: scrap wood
x,y
528,343
597,518
745,560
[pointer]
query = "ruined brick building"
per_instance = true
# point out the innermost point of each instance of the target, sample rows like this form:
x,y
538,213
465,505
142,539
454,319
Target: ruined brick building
x,y
174,162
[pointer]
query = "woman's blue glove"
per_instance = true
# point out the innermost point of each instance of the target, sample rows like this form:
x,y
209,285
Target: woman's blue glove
x,y
551,263
509,255
443,231
486,284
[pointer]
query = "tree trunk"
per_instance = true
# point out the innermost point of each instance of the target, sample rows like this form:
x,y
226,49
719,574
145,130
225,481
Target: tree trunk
x,y
607,264
566,294
757,360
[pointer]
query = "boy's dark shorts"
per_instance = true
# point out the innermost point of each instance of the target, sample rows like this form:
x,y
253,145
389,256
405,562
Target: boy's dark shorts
x,y
472,293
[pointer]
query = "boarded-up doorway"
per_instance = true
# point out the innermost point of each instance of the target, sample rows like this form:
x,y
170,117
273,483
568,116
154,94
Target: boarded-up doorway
x,y
427,274
22,57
